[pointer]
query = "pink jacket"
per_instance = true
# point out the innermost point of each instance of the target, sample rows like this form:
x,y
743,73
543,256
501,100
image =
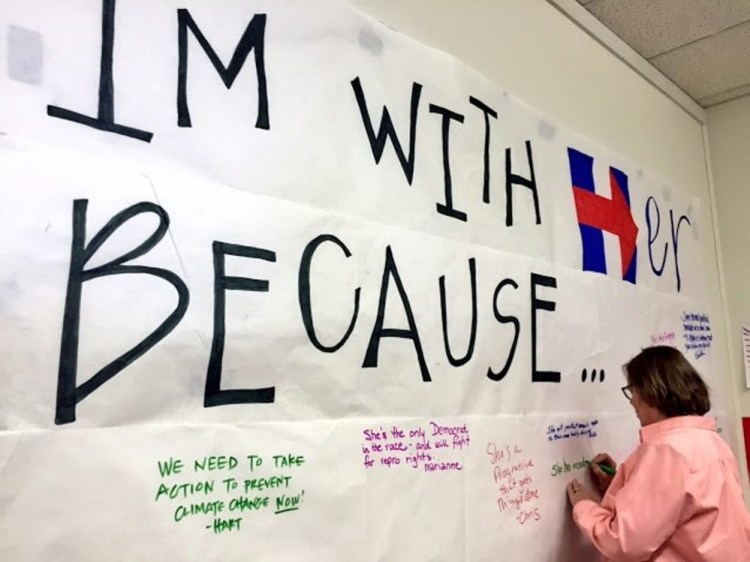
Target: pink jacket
x,y
677,498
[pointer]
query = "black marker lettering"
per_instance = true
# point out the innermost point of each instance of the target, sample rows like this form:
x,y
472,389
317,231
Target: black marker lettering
x,y
387,131
448,209
252,40
651,239
503,319
675,240
105,119
539,304
68,394
487,110
214,396
512,179
444,315
304,293
378,332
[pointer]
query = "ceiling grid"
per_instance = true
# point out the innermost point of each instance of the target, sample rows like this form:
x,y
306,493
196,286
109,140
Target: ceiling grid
x,y
703,46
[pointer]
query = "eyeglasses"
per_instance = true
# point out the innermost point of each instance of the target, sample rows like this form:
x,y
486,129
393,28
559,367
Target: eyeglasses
x,y
627,392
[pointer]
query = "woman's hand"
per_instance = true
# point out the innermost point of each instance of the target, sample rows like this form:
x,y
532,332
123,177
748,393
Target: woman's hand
x,y
578,492
601,478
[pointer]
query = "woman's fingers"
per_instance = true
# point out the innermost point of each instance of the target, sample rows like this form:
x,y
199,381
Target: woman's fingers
x,y
599,473
604,478
577,492
604,458
574,487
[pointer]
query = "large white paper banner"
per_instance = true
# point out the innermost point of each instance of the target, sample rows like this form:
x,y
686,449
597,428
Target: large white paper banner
x,y
281,284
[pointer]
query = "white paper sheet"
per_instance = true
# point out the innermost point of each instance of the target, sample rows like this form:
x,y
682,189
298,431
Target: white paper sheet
x,y
279,342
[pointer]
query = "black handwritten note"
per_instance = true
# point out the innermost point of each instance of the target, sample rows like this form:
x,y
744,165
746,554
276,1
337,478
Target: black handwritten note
x,y
572,430
697,333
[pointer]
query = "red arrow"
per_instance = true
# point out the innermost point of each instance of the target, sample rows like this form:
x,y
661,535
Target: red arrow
x,y
612,215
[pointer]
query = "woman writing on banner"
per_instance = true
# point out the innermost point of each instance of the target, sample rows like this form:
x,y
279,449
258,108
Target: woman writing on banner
x,y
678,497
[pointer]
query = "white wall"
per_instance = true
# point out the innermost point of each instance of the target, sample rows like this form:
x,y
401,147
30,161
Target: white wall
x,y
729,139
540,56
529,48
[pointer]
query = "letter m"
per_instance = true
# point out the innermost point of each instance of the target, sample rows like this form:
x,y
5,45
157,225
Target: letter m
x,y
251,40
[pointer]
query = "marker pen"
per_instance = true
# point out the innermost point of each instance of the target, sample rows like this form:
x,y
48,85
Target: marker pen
x,y
606,469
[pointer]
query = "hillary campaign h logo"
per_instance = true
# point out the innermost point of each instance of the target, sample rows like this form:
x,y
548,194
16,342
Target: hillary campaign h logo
x,y
597,214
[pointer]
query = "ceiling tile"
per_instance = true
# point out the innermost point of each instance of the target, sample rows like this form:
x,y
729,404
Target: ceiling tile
x,y
652,27
726,95
712,65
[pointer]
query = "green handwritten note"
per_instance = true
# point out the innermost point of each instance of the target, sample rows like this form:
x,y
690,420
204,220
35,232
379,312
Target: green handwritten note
x,y
224,489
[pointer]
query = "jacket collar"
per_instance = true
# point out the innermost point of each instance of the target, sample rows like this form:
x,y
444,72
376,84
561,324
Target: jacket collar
x,y
650,431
